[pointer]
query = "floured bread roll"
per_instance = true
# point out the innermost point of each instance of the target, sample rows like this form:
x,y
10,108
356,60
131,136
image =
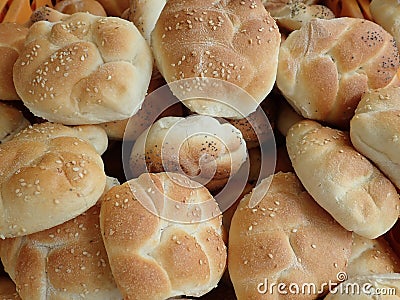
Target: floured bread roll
x,y
326,66
12,121
154,257
68,261
84,69
371,257
73,6
144,14
293,14
199,146
386,13
49,174
341,180
8,290
375,130
286,238
372,287
12,37
230,41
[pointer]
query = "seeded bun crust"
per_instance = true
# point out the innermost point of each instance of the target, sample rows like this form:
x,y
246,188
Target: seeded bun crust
x,y
199,146
12,121
233,41
286,238
341,180
326,66
48,175
158,258
12,37
63,262
375,130
83,70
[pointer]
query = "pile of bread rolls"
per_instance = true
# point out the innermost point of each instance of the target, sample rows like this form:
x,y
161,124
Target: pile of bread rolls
x,y
125,124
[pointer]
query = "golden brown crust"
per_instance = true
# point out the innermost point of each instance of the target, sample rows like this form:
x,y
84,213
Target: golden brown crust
x,y
63,262
73,6
286,238
234,41
374,130
49,174
84,69
341,180
326,66
12,121
156,258
114,7
12,37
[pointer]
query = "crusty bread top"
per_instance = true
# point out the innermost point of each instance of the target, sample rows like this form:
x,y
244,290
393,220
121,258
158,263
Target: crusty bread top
x,y
234,41
84,69
154,257
286,238
326,66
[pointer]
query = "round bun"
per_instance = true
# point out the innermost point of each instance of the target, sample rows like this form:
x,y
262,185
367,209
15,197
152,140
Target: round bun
x,y
12,121
286,238
48,175
114,7
198,146
372,287
326,66
63,262
375,130
341,180
83,70
233,41
73,6
144,14
291,15
386,13
371,257
8,290
12,37
158,258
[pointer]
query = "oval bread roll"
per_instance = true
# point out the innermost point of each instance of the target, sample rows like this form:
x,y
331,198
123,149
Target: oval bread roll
x,y
341,180
386,13
68,261
158,258
73,6
48,175
286,238
12,38
326,66
84,69
375,130
12,121
233,41
114,7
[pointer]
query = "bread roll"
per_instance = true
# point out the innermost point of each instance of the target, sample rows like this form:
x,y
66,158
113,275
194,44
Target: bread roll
x,y
114,7
12,121
350,8
158,258
144,14
45,13
371,257
12,37
292,15
386,13
73,6
372,287
229,41
199,146
287,117
8,290
48,175
286,238
83,70
375,130
341,180
68,261
326,66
